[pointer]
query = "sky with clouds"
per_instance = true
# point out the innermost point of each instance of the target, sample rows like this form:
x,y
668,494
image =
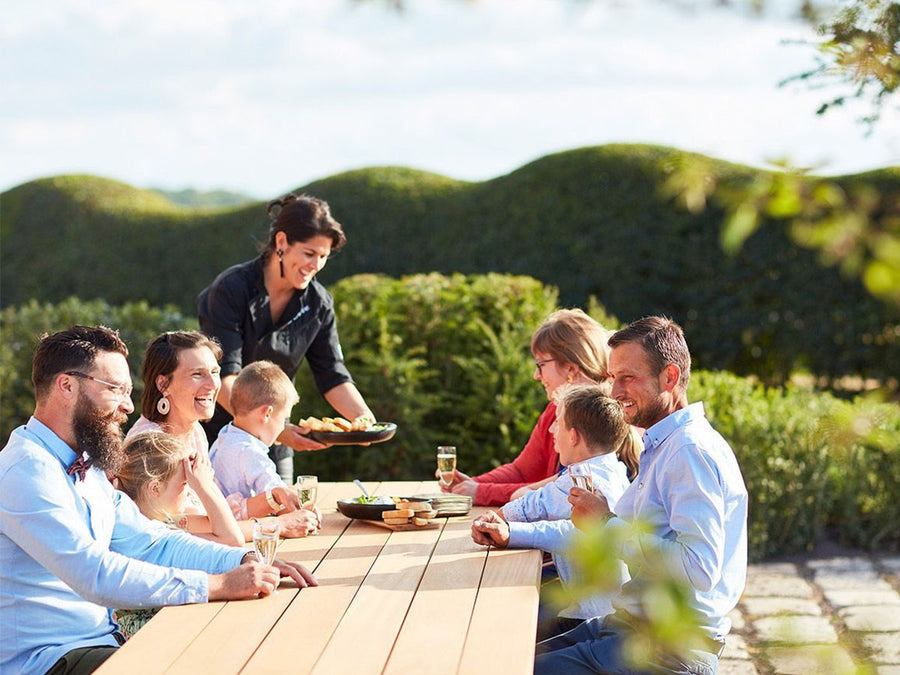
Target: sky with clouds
x,y
262,96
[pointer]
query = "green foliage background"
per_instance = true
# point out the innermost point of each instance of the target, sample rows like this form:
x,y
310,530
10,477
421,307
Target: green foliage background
x,y
447,359
592,222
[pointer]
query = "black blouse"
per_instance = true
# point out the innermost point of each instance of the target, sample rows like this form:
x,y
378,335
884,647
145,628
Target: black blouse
x,y
234,309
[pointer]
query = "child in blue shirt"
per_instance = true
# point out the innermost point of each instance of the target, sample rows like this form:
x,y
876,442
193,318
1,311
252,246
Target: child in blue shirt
x,y
590,431
261,398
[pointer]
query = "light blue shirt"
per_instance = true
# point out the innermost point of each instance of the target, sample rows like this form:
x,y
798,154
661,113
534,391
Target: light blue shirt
x,y
242,465
541,519
691,493
71,548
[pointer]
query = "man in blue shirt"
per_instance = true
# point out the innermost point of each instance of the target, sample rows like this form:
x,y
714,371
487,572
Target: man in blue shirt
x,y
689,491
70,545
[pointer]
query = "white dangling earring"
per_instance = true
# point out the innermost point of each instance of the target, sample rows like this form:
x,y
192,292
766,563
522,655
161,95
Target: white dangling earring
x,y
162,406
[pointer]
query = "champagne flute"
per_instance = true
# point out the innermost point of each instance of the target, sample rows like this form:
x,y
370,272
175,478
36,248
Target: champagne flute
x,y
581,476
307,490
446,461
265,539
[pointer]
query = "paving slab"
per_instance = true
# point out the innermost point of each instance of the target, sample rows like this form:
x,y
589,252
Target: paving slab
x,y
783,568
888,670
799,630
890,563
842,564
807,660
777,585
771,606
737,621
736,648
861,580
734,667
872,618
884,647
841,597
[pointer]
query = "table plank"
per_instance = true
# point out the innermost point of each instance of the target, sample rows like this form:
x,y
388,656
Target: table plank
x,y
309,622
155,646
364,638
511,579
434,632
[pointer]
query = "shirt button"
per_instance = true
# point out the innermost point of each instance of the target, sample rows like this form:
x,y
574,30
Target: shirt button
x,y
640,485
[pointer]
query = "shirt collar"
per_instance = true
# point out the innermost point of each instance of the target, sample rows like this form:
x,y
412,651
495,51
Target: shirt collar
x,y
660,431
53,443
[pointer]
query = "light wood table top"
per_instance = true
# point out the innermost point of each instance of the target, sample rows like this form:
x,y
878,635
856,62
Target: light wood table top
x,y
409,602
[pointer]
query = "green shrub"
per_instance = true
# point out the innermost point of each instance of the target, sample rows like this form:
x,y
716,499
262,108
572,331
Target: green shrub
x,y
21,328
447,359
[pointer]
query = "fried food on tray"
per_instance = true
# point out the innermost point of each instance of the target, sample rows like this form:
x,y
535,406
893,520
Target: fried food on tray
x,y
362,423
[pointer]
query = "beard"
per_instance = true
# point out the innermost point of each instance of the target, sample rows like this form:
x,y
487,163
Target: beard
x,y
647,416
99,435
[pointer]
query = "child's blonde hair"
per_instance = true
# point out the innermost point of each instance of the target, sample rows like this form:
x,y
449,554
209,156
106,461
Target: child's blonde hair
x,y
262,383
601,421
149,456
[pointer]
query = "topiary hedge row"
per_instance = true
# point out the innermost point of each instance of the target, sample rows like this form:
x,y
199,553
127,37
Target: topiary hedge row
x,y
447,359
593,221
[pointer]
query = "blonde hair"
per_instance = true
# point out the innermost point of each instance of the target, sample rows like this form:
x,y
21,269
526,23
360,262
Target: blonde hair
x,y
149,456
262,383
571,336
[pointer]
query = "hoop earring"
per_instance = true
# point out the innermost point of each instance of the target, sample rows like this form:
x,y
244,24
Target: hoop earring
x,y
162,406
281,262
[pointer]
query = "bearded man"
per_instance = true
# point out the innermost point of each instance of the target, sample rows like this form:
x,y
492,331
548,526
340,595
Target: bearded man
x,y
72,546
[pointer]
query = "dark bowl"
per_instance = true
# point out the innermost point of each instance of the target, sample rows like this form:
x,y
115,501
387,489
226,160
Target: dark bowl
x,y
383,431
353,509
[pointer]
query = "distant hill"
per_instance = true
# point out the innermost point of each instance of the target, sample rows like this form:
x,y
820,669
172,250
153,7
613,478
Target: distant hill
x,y
591,221
212,199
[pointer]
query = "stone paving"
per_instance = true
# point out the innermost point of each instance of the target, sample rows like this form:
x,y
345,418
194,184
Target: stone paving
x,y
833,612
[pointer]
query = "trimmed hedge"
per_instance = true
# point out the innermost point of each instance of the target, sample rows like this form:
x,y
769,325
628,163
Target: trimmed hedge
x,y
447,359
592,221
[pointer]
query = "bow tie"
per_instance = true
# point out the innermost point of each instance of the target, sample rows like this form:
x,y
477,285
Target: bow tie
x,y
79,467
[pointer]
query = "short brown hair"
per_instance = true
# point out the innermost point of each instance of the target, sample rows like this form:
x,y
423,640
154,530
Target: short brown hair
x,y
161,358
662,340
70,350
597,417
262,383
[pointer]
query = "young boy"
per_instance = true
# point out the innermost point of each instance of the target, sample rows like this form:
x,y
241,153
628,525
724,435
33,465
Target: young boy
x,y
262,397
589,428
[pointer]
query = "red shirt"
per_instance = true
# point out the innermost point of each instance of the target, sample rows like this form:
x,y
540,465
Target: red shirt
x,y
537,461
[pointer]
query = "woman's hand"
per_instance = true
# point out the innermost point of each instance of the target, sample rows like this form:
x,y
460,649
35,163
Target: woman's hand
x,y
299,523
293,437
460,485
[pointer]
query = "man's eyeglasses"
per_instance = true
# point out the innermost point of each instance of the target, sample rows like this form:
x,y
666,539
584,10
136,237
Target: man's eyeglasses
x,y
540,365
121,391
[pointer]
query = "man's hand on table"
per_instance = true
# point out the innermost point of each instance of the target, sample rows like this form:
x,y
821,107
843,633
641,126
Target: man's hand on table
x,y
293,437
587,507
489,529
250,579
460,485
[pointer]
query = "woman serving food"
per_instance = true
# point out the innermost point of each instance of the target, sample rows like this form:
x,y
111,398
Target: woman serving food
x,y
273,308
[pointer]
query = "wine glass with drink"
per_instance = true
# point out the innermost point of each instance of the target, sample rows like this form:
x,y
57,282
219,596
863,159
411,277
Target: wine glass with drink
x,y
581,476
307,490
265,539
446,461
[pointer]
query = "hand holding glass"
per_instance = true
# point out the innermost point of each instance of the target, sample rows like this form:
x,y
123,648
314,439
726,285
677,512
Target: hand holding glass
x,y
581,477
446,461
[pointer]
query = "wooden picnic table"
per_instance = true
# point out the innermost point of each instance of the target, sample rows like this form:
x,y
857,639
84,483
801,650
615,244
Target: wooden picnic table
x,y
422,601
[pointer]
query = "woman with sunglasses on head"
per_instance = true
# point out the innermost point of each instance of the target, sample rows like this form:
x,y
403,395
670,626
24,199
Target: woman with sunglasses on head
x,y
569,347
181,380
273,308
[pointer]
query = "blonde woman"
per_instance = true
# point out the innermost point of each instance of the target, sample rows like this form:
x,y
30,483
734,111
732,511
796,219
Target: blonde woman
x,y
569,347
